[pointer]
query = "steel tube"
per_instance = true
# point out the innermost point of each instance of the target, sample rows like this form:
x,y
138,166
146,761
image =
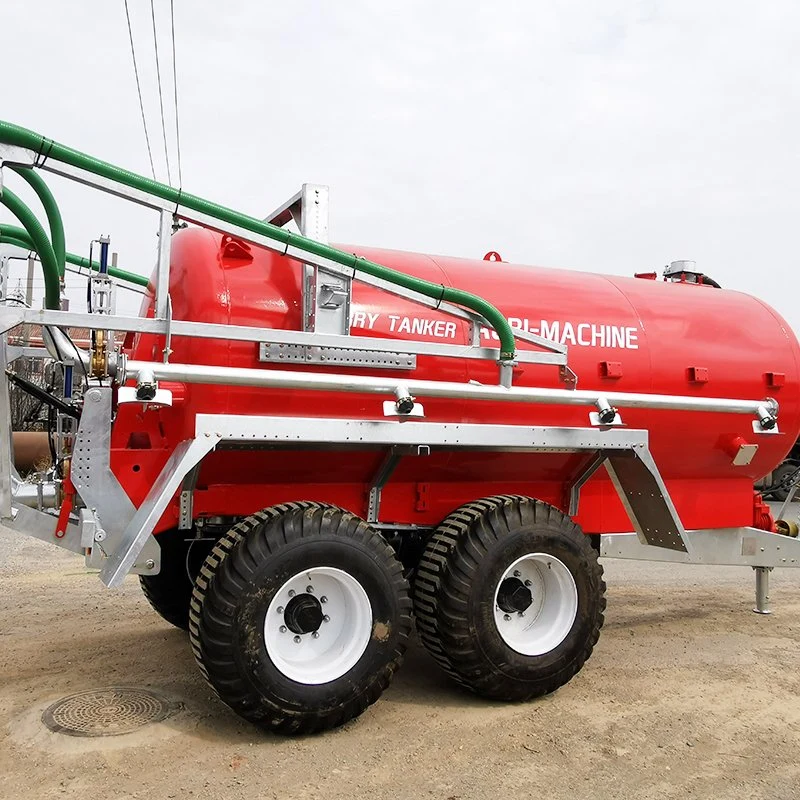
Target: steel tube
x,y
326,382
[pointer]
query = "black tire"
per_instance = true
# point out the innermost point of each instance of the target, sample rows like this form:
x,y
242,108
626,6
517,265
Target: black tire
x,y
170,591
454,596
240,579
782,471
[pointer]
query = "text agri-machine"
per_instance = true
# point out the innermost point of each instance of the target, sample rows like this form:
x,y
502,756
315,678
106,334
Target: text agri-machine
x,y
298,447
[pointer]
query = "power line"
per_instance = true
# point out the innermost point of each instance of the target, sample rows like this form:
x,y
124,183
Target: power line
x,y
139,91
175,87
160,95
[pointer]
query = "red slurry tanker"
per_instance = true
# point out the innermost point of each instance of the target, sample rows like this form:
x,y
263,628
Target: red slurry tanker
x,y
300,447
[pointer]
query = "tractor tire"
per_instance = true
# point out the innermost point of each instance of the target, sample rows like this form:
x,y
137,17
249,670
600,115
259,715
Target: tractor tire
x,y
509,597
781,472
170,591
300,617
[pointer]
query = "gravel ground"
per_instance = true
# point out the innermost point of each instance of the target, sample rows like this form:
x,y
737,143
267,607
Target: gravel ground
x,y
688,694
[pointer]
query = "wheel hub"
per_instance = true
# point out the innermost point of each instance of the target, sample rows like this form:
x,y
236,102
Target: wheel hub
x,y
535,604
303,614
514,596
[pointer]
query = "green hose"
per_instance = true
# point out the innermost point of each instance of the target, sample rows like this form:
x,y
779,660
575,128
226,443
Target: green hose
x,y
22,243
51,209
114,272
38,237
10,234
45,148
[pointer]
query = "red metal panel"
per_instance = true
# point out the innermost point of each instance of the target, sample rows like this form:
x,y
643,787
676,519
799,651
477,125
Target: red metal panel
x,y
654,328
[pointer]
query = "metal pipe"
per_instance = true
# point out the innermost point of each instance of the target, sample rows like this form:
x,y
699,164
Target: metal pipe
x,y
34,495
327,382
52,278
47,149
50,206
62,348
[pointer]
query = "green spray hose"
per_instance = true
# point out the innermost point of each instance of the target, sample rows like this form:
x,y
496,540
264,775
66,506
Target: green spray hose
x,y
10,234
51,209
45,149
40,242
25,245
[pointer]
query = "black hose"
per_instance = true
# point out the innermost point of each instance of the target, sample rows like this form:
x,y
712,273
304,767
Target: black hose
x,y
43,396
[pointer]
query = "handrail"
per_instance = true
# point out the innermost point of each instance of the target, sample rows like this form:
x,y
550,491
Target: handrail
x,y
46,149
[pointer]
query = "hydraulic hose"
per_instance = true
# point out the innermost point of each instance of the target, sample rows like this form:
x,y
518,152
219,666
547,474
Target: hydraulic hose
x,y
10,234
51,209
38,237
46,149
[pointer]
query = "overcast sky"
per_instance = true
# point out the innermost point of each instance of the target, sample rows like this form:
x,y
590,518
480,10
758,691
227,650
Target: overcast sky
x,y
609,136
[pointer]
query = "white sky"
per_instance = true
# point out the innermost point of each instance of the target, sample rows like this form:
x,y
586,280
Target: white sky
x,y
609,137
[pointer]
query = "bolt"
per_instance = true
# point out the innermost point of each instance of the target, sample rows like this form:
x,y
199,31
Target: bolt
x,y
280,609
323,599
291,592
326,618
297,640
315,635
310,589
150,564
506,617
282,629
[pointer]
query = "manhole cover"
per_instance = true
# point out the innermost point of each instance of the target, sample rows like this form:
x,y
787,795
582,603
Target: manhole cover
x,y
106,712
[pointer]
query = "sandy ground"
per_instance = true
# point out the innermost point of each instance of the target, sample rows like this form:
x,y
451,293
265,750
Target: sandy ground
x,y
688,694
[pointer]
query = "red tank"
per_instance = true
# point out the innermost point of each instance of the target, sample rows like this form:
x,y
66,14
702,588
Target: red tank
x,y
623,334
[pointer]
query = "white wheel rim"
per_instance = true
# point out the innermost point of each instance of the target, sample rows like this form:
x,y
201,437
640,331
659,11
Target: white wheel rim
x,y
335,646
549,618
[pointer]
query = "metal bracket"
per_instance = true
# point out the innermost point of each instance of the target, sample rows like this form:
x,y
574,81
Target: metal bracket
x,y
646,499
185,456
384,473
594,463
186,500
334,356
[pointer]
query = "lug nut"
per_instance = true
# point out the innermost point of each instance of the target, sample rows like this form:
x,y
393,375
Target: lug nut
x,y
310,589
297,640
282,629
323,599
291,592
315,635
326,618
280,609
528,583
517,573
506,617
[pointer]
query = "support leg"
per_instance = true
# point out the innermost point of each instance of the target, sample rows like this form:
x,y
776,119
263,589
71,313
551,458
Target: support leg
x,y
762,590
